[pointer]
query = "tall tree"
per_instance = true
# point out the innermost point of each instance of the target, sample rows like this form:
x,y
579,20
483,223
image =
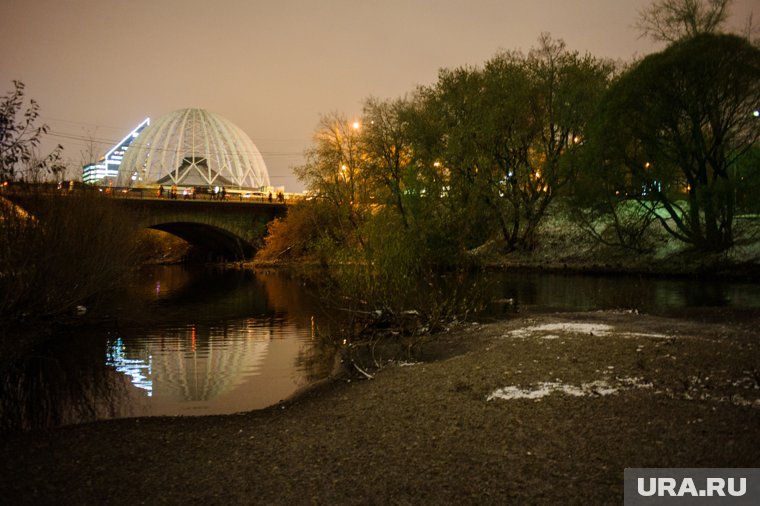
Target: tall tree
x,y
334,172
387,147
673,129
509,132
333,164
565,89
672,20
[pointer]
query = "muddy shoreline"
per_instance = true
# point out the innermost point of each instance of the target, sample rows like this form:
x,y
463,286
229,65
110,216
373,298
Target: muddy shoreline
x,y
585,395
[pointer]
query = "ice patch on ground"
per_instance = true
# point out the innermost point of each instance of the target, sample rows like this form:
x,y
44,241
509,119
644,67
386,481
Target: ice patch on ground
x,y
550,330
545,388
601,388
738,400
576,328
402,363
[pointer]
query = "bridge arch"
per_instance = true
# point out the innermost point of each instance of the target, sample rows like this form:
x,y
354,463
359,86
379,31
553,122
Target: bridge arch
x,y
211,242
219,230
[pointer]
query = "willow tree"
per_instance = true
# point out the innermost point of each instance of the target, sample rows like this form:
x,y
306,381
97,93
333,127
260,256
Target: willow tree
x,y
334,174
673,128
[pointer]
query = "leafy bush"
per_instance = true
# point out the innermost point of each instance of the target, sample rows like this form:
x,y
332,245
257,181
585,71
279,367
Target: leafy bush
x,y
306,234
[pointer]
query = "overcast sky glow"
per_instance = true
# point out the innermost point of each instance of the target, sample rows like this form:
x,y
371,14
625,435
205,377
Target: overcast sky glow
x,y
98,67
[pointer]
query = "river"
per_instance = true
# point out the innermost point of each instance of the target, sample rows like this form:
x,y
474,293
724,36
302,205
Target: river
x,y
191,341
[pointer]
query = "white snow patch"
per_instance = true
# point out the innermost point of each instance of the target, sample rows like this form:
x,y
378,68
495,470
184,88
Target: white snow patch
x,y
512,392
408,364
545,388
640,334
738,400
549,331
577,328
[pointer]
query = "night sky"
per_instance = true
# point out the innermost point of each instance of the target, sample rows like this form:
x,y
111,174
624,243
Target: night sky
x,y
98,67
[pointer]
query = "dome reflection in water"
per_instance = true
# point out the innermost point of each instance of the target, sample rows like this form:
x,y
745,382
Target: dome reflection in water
x,y
202,369
222,342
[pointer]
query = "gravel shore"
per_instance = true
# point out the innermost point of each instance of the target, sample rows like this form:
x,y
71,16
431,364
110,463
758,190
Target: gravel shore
x,y
537,409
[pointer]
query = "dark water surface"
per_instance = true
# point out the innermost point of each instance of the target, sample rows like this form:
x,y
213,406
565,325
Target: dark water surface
x,y
648,294
196,341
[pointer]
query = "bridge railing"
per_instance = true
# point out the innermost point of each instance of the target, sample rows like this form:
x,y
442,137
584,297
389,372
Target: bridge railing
x,y
159,192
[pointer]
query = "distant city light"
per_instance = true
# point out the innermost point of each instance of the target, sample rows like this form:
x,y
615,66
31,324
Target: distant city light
x,y
108,166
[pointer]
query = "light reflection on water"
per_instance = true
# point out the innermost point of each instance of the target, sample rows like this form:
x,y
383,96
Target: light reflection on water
x,y
198,369
139,369
212,350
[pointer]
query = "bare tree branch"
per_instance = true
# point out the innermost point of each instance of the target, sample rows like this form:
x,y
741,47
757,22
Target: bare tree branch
x,y
672,20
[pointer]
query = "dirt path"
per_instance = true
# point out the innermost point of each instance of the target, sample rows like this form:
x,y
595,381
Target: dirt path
x,y
539,409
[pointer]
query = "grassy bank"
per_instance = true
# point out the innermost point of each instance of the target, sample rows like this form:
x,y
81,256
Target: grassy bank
x,y
563,246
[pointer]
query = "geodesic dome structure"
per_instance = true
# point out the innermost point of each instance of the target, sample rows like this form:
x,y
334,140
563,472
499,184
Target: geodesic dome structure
x,y
193,147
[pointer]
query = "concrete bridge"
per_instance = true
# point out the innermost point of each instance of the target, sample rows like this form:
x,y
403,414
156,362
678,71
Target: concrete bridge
x,y
230,229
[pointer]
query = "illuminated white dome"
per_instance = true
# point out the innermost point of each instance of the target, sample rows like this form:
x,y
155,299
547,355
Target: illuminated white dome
x,y
193,147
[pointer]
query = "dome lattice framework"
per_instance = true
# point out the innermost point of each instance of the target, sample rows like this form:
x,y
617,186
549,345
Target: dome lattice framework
x,y
193,147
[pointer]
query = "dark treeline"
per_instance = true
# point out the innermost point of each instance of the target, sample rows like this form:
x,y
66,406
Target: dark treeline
x,y
666,145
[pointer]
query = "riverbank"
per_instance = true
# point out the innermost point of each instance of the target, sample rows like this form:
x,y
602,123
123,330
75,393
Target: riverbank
x,y
540,409
566,248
